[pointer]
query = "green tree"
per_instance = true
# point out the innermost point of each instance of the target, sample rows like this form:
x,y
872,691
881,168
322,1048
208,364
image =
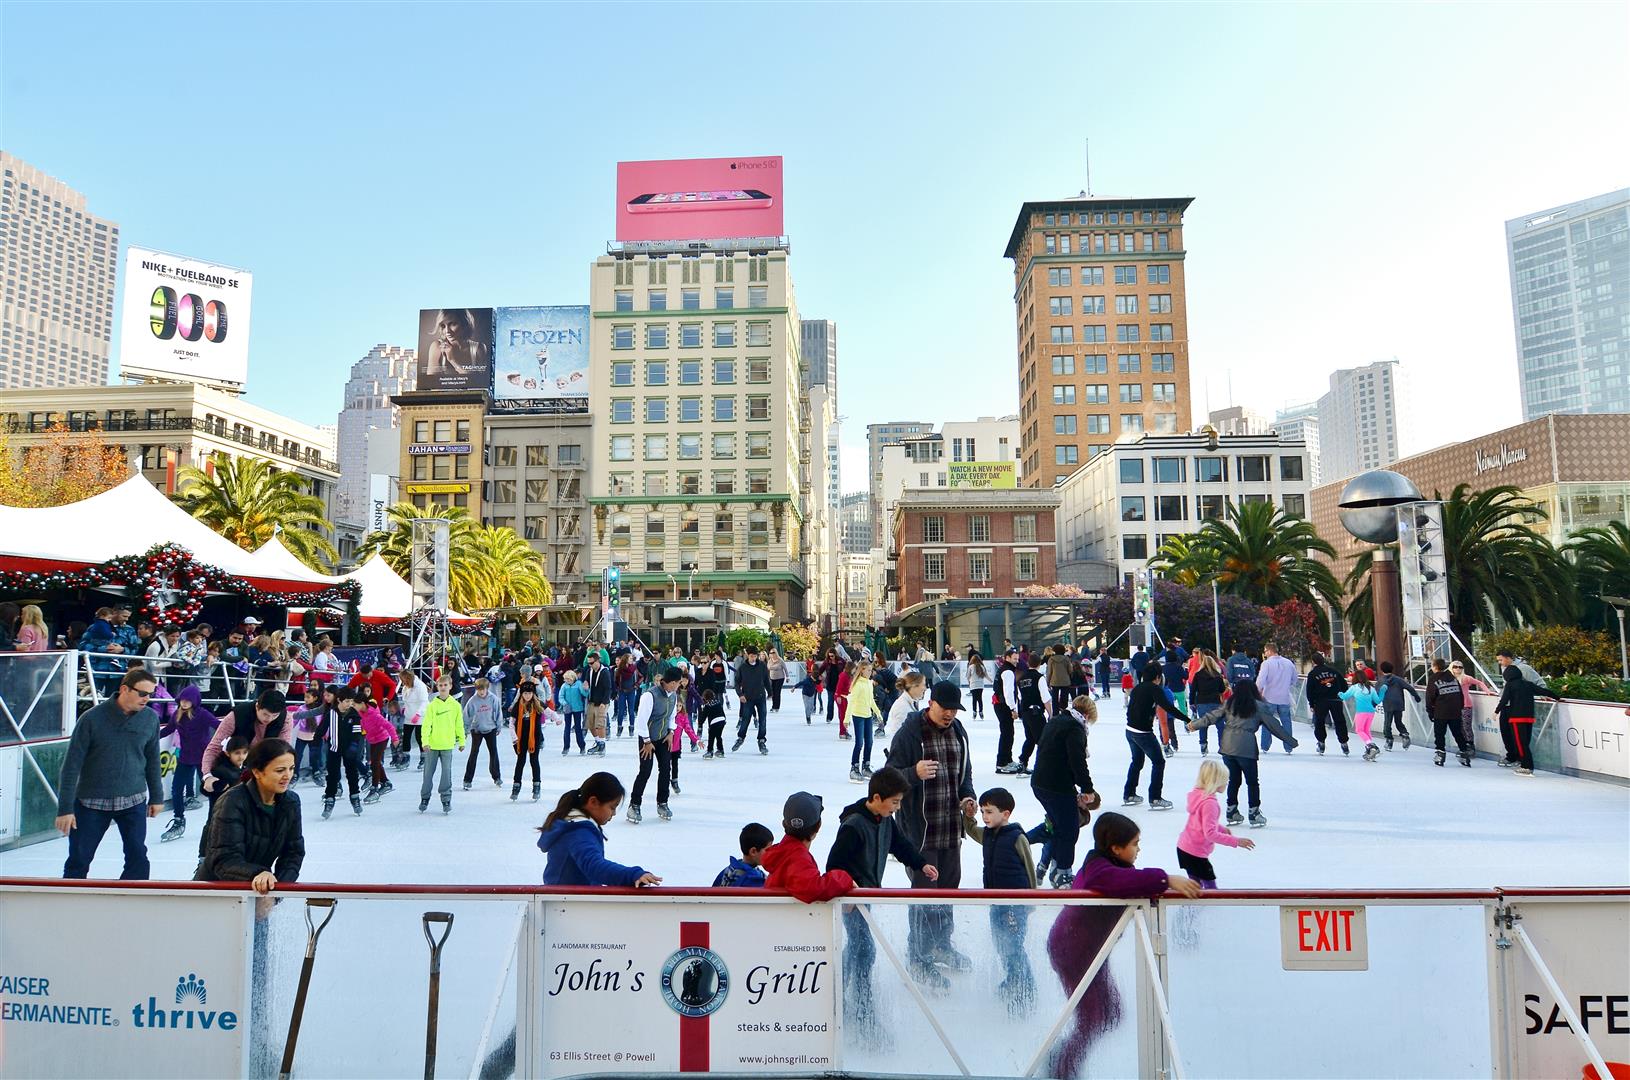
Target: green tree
x,y
515,574
395,546
1500,569
248,500
1183,560
1601,557
1260,553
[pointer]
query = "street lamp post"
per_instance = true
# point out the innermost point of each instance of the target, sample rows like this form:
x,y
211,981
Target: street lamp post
x,y
1216,617
1619,604
675,584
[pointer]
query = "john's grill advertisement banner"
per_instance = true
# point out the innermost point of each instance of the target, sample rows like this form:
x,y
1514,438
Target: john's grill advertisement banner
x,y
88,987
696,988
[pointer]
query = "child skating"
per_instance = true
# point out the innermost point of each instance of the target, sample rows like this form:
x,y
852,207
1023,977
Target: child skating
x,y
1364,698
1204,829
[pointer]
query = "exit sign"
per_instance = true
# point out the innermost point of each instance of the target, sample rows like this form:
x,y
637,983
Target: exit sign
x,y
1323,939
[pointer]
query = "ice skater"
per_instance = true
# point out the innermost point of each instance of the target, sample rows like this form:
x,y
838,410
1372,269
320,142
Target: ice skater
x,y
574,838
1239,721
1444,696
1204,829
1364,697
1393,688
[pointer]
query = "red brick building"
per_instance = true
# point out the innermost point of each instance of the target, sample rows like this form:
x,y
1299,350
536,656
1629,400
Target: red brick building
x,y
952,543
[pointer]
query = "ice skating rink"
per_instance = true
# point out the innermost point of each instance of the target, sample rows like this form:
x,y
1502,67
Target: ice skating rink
x,y
1334,822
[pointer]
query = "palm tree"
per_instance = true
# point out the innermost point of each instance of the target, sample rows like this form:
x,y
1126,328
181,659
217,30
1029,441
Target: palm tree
x,y
1500,568
467,569
248,500
1265,555
515,574
1601,555
1184,560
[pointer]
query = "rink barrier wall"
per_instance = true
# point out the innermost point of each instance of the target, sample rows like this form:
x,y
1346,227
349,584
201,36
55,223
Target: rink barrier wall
x,y
748,981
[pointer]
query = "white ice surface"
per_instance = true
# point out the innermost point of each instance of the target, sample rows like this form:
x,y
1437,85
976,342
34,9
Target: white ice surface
x,y
1334,822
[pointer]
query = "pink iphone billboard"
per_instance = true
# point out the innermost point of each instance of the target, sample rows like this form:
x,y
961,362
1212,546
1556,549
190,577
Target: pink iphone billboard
x,y
698,199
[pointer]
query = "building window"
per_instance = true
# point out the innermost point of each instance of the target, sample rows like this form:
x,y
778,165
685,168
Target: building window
x,y
1062,335
724,446
690,410
724,299
758,407
1098,424
1133,507
1058,275
656,410
1295,505
1092,305
724,372
537,527
657,300
1290,468
690,335
656,373
1024,528
1163,363
1253,470
503,491
1058,306
933,566
690,373
1131,392
1171,507
1160,304
1160,331
1095,335
622,410
1131,423
656,335
758,296
1063,395
1024,565
724,410
622,373
1126,275
1127,334
1129,364
758,528
623,300
1092,275
758,445
1066,455
535,455
1064,424
1209,470
1159,275
979,566
724,483
537,491
1209,507
690,447
1134,547
1169,470
1165,391
1126,305
724,335
979,528
690,299
758,335
622,337
1246,500
1131,470
934,529
758,369
622,483
758,483
1095,364
656,448
622,448
1166,422
1097,393
1063,365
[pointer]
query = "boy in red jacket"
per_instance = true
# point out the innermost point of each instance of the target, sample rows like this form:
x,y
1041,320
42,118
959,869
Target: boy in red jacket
x,y
791,866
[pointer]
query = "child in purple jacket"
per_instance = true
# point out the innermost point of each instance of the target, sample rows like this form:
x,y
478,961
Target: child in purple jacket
x,y
193,725
1079,932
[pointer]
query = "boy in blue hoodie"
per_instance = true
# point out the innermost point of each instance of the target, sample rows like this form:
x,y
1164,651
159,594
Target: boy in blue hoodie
x,y
745,872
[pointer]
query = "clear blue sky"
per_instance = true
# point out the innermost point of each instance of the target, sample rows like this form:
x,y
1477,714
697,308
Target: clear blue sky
x,y
1352,167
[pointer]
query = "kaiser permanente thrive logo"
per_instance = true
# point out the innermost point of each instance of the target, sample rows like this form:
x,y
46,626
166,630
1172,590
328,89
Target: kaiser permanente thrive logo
x,y
189,991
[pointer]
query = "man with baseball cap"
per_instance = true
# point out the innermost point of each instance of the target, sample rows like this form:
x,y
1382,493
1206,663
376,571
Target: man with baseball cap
x,y
931,748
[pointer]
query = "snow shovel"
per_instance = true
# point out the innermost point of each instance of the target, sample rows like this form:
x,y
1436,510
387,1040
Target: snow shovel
x,y
446,919
313,932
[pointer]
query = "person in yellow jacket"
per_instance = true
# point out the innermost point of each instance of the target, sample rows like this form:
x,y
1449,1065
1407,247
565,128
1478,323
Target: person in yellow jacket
x,y
441,730
863,714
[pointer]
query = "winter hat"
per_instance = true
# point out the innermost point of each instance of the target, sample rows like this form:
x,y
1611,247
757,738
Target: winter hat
x,y
946,695
802,810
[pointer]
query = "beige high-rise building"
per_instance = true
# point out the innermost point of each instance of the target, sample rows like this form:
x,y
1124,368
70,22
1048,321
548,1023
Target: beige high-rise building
x,y
57,272
699,426
1103,327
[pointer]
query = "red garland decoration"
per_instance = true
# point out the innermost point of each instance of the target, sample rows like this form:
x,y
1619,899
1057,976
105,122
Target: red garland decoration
x,y
171,569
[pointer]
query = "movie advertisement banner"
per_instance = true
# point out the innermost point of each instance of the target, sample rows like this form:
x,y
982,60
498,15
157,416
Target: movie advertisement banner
x,y
541,360
185,318
694,987
84,991
455,349
983,474
699,199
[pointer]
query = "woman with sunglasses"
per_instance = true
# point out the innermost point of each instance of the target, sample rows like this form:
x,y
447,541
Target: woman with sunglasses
x,y
528,724
1468,683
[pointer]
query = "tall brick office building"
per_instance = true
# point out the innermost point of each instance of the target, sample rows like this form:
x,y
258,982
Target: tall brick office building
x,y
954,543
1099,297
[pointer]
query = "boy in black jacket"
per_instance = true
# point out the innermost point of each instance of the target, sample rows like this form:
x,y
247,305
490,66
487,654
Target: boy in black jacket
x,y
867,836
1008,865
225,773
1324,687
1392,705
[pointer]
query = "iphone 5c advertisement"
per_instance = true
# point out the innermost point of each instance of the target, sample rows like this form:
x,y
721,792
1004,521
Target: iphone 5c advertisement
x,y
699,199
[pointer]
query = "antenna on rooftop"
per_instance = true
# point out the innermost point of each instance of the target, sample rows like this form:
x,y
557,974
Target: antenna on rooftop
x,y
1089,168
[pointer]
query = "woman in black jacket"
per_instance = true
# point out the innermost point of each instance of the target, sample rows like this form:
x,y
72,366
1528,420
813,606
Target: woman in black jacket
x,y
1206,690
255,833
1062,784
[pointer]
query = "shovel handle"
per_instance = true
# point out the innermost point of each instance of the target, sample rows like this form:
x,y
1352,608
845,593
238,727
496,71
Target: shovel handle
x,y
435,943
315,930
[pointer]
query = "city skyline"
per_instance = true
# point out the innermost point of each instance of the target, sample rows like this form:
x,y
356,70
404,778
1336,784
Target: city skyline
x,y
1316,218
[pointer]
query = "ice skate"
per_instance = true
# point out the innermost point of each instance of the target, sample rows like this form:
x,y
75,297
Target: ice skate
x,y
514,792
1234,817
537,792
174,830
1438,758
1389,744
1320,749
1160,804
673,786
1346,751
1505,763
1010,769
1466,760
447,804
663,812
855,777
356,805
763,747
374,795
1060,877
735,746
1043,868
633,815
598,748
192,802
1132,800
708,756
1371,752
1171,750
424,804
1257,820
466,785
328,808
1522,770
929,977
948,957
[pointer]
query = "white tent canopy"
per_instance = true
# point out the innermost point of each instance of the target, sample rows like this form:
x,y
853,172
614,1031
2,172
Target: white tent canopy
x,y
274,559
385,596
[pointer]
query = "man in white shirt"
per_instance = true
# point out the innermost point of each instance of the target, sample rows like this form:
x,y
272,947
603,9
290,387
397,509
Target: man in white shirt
x,y
1275,682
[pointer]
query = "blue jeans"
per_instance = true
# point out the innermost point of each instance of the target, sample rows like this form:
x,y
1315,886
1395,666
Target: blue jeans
x,y
1281,713
89,828
574,722
1144,745
751,707
309,748
859,954
863,742
1007,928
628,705
183,785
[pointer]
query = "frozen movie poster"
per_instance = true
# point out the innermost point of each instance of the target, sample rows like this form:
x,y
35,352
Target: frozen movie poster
x,y
541,360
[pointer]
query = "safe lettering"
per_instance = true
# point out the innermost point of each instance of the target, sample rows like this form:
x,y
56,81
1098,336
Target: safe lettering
x,y
1324,930
596,977
1614,1008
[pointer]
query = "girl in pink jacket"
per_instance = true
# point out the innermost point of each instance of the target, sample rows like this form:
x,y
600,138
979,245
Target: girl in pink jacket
x,y
1204,830
683,728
